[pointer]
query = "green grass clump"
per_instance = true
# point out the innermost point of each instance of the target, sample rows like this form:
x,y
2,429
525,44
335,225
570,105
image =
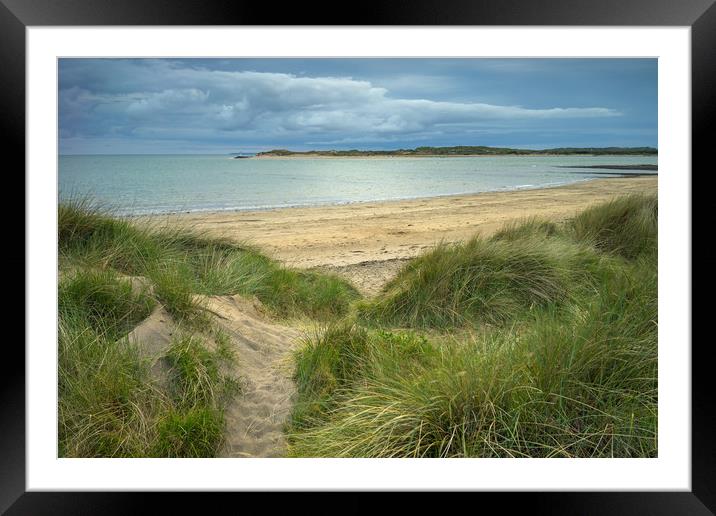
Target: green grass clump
x,y
334,359
325,363
110,405
529,228
173,288
626,226
198,375
482,281
318,295
194,427
107,400
221,270
107,302
89,236
196,432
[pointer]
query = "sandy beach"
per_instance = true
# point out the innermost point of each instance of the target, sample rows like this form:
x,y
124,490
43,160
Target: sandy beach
x,y
368,242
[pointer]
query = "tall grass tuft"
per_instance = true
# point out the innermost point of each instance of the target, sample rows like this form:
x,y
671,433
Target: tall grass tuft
x,y
626,226
110,405
198,376
482,281
196,432
194,426
107,302
531,227
326,362
89,235
173,283
107,401
293,293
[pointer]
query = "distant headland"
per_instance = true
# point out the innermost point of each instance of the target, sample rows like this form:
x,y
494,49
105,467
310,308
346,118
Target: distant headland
x,y
463,150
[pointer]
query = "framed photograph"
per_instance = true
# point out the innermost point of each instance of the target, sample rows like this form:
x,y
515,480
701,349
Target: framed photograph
x,y
414,253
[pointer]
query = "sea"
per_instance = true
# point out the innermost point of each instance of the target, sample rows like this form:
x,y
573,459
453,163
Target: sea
x,y
158,184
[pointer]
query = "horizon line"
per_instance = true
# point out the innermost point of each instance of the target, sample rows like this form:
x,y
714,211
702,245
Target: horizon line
x,y
339,150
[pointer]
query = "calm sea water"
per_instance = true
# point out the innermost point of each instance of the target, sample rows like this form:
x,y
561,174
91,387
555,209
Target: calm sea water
x,y
136,185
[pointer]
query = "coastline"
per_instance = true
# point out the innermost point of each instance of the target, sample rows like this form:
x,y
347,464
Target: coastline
x,y
259,209
368,241
406,156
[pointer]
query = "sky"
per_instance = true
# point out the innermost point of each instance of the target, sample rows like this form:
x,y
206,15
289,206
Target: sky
x,y
220,106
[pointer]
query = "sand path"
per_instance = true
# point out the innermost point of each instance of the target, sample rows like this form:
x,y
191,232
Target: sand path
x,y
256,416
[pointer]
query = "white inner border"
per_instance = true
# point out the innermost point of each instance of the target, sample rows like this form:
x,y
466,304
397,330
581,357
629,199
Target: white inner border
x,y
670,471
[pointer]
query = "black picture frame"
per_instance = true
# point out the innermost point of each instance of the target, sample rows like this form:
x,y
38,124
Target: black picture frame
x,y
700,15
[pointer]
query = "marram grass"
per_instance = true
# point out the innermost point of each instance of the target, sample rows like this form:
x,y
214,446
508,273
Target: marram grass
x,y
483,281
540,341
182,263
554,351
626,226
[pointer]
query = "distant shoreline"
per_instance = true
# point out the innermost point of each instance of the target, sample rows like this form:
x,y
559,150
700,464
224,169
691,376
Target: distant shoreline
x,y
456,151
451,151
411,156
614,167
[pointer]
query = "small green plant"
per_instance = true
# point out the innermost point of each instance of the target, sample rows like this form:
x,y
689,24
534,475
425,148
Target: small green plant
x,y
105,301
320,296
196,432
198,375
173,287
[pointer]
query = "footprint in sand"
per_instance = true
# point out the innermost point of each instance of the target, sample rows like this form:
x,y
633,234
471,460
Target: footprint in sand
x,y
255,418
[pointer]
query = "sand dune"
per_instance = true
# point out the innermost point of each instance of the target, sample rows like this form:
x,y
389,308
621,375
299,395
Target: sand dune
x,y
366,243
